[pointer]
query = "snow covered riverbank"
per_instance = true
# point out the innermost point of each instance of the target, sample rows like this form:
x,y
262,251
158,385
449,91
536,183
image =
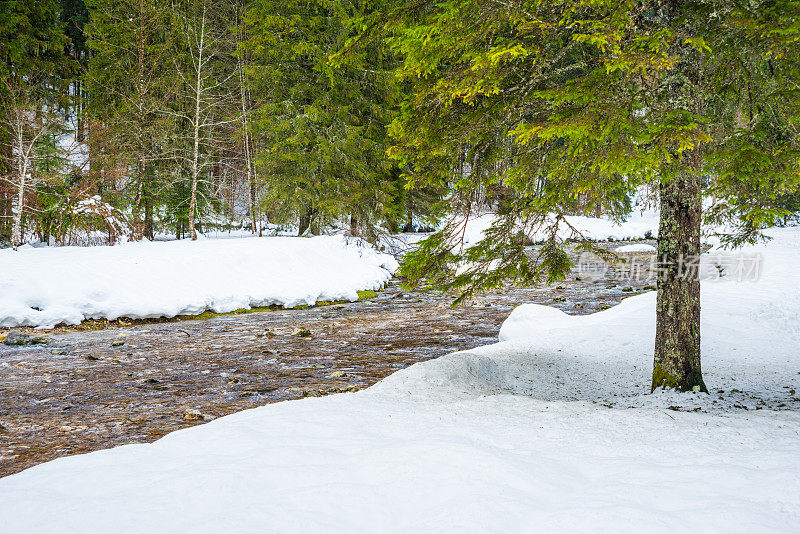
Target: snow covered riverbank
x,y
47,286
639,225
551,429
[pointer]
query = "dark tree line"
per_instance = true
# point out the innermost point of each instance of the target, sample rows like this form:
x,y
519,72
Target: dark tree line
x,y
187,113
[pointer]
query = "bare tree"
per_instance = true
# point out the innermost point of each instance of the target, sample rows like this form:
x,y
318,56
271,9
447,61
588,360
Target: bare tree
x,y
244,96
30,121
208,42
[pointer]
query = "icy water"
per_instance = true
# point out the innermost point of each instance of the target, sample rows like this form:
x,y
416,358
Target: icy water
x,y
90,390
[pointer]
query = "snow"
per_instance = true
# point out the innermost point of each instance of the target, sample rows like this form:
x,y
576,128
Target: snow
x,y
551,429
46,286
222,228
113,218
638,225
641,224
635,247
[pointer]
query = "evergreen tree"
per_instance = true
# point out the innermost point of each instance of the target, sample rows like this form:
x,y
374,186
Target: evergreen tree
x,y
127,81
321,128
32,43
600,98
74,16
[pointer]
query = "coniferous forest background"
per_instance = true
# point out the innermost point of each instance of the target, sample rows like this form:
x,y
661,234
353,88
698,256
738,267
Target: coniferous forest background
x,y
138,117
133,117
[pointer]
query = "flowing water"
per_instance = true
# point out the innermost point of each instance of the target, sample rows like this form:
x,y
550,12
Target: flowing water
x,y
94,389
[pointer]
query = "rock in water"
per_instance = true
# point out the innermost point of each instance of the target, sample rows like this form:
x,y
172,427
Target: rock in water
x,y
301,331
190,414
16,337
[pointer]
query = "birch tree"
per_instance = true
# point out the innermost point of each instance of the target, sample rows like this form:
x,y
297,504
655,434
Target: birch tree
x,y
32,45
206,79
30,122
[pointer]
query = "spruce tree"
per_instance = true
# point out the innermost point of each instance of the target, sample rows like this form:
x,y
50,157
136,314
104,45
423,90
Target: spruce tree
x,y
127,81
598,99
74,16
32,61
320,126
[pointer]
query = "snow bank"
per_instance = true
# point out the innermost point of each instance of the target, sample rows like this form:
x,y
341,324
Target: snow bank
x,y
551,430
639,225
636,247
46,286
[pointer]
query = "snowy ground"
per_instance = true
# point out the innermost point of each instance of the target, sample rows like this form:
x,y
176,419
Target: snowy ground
x,y
552,429
47,286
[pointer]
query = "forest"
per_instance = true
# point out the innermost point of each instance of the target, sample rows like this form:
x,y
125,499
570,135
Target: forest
x,y
132,118
126,119
479,245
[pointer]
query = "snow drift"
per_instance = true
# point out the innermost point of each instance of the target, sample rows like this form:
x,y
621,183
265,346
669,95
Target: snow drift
x,y
46,286
552,429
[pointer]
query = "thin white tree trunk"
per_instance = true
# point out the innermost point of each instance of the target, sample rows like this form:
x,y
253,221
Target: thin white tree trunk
x,y
19,205
196,152
251,184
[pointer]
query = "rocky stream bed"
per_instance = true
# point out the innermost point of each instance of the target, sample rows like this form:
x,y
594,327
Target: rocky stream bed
x,y
89,389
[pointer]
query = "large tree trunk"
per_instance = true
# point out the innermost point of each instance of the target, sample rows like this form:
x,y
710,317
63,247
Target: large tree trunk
x,y
676,362
305,222
677,352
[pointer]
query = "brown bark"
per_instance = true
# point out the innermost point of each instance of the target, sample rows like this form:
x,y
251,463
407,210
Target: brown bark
x,y
144,201
148,217
677,351
676,362
305,222
253,200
